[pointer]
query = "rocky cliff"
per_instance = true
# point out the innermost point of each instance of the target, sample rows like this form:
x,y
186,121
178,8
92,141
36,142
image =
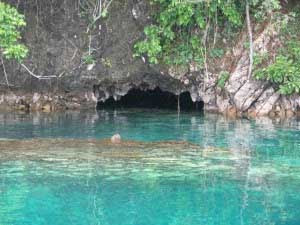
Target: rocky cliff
x,y
57,74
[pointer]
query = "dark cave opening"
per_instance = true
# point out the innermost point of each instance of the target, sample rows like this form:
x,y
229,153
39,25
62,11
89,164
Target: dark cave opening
x,y
152,99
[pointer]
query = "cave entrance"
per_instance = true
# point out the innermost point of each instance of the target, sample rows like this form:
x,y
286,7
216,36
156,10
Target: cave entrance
x,y
153,99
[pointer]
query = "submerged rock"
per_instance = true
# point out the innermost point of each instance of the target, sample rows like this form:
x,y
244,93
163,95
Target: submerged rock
x,y
116,139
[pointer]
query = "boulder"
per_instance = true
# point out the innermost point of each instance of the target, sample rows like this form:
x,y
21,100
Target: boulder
x,y
116,139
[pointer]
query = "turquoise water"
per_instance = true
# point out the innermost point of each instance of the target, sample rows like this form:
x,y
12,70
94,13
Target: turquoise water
x,y
184,170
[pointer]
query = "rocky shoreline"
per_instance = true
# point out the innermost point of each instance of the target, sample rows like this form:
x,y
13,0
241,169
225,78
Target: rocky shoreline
x,y
47,102
54,102
114,71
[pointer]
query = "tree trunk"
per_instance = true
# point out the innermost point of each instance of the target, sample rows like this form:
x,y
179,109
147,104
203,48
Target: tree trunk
x,y
250,40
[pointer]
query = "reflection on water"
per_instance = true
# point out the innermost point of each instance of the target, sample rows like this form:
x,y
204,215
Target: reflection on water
x,y
199,170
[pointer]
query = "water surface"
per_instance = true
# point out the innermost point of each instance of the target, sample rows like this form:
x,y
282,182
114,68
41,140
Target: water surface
x,y
187,169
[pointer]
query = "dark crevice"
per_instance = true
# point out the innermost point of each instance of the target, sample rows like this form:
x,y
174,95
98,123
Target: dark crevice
x,y
153,99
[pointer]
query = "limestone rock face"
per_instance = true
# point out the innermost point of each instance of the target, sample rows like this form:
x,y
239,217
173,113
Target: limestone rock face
x,y
248,94
238,77
252,97
266,101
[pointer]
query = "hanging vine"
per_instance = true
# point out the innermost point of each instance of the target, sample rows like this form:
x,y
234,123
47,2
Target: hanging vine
x,y
93,11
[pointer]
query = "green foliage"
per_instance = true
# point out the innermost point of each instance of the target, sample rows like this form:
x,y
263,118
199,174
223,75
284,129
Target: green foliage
x,y
260,59
152,45
262,8
284,71
10,23
224,76
216,52
176,37
88,59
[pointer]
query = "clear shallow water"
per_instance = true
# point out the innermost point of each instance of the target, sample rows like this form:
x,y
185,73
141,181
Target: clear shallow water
x,y
218,171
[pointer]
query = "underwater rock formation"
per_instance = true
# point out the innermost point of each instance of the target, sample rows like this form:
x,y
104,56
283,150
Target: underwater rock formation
x,y
116,139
